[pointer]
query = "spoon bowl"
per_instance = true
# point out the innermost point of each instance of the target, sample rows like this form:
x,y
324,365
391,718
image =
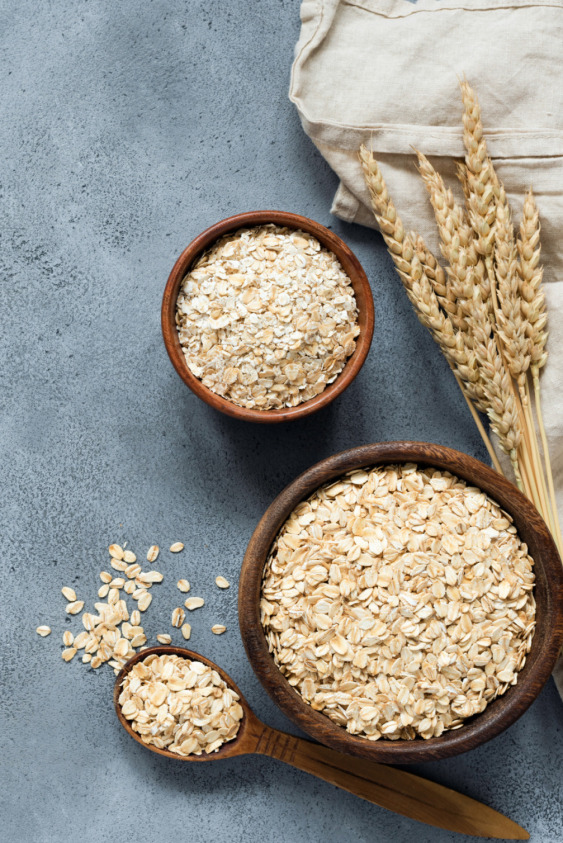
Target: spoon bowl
x,y
250,727
387,787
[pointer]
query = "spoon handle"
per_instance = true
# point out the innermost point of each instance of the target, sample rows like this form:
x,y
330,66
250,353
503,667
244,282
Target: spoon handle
x,y
388,787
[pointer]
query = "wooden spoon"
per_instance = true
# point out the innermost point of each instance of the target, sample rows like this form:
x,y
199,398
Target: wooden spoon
x,y
385,786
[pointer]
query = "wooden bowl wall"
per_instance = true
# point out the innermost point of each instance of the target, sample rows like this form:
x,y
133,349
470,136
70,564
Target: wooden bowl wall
x,y
548,590
349,263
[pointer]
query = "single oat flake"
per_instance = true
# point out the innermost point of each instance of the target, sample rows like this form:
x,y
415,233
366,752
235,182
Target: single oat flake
x,y
43,631
176,547
164,638
194,603
178,616
218,629
221,582
183,585
75,607
267,317
152,553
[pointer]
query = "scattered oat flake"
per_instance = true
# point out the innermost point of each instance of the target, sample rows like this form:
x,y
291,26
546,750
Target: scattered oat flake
x,y
164,638
116,551
68,638
144,601
151,577
43,631
176,547
222,582
117,582
183,585
75,607
152,553
218,629
186,631
69,593
129,557
105,576
194,603
139,639
69,653
178,616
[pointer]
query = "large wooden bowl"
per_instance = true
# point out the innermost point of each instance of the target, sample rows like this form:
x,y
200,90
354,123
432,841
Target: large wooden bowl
x,y
349,263
548,591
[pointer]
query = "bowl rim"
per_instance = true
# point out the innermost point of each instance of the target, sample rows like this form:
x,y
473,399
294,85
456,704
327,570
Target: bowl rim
x,y
500,713
351,266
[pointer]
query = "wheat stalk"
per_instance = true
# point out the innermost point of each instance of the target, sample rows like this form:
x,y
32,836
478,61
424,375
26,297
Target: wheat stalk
x,y
535,313
486,200
487,309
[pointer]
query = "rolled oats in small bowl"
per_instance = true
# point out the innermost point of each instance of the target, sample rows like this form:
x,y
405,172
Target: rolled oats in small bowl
x,y
398,601
267,317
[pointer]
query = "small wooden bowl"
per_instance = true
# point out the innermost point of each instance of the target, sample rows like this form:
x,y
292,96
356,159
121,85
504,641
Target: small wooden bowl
x,y
548,591
349,263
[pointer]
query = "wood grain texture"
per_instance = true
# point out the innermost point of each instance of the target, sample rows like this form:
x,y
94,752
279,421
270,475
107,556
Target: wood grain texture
x,y
349,263
395,790
548,592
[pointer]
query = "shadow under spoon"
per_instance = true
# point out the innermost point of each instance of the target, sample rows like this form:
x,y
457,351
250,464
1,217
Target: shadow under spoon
x,y
390,788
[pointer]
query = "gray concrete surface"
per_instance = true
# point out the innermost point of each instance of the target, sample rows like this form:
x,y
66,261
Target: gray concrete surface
x,y
126,129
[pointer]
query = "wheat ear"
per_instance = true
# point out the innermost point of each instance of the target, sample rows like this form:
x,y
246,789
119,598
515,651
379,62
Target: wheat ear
x,y
533,297
454,343
502,409
482,182
512,324
534,307
465,266
487,376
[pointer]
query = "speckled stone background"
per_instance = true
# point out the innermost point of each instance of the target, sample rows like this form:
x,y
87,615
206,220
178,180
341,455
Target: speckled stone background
x,y
126,129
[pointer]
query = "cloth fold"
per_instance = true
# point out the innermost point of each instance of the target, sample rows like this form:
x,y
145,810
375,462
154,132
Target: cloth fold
x,y
384,73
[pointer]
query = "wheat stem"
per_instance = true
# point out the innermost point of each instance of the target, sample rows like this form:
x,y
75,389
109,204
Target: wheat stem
x,y
481,428
555,519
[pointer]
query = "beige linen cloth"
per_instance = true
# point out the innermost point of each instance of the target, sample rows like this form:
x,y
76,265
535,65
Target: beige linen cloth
x,y
385,73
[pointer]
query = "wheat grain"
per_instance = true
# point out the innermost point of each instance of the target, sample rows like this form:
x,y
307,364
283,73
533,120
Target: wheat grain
x,y
410,255
466,268
501,406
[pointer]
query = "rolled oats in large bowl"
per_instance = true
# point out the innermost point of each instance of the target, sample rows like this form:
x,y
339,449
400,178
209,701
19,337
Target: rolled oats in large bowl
x,y
267,317
398,601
